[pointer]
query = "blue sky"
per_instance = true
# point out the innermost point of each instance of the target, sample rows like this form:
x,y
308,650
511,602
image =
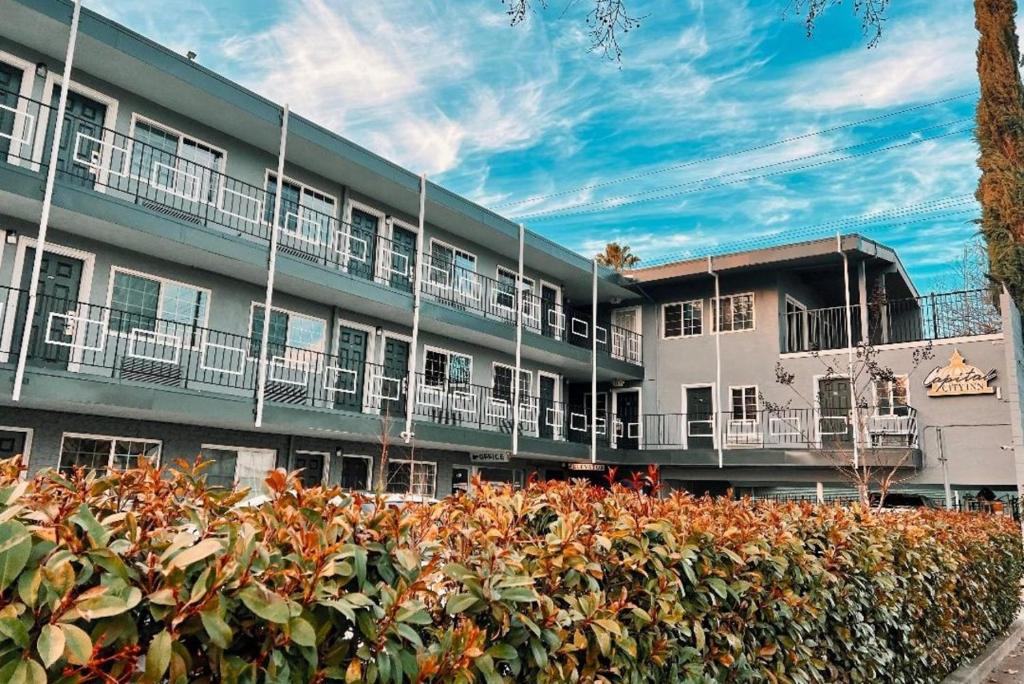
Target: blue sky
x,y
528,122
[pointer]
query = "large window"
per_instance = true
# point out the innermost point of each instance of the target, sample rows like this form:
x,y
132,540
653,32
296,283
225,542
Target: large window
x,y
151,303
287,330
174,162
744,402
306,213
354,473
502,388
446,369
737,312
505,297
95,452
418,478
891,396
682,319
453,269
238,467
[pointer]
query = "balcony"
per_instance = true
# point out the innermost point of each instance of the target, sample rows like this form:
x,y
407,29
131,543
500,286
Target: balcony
x,y
195,190
937,316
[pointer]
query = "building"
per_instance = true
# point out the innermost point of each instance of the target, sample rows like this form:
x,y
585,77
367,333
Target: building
x,y
394,299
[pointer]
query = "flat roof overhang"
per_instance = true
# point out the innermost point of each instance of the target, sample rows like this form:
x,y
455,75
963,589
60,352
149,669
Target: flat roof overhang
x,y
113,53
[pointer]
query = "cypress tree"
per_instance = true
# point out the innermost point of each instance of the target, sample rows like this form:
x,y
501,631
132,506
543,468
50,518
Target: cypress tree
x,y
1000,136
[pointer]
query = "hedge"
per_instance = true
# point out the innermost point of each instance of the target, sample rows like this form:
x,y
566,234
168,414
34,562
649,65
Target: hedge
x,y
146,575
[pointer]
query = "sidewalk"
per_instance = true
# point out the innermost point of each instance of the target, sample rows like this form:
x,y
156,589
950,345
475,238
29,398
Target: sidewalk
x,y
1010,669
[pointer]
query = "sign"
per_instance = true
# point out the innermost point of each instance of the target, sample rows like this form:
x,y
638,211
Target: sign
x,y
958,379
498,457
587,467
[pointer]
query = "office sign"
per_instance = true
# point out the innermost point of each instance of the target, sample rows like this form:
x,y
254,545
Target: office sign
x,y
497,457
958,379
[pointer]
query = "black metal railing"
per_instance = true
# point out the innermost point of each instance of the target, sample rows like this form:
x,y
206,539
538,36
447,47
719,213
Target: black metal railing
x,y
937,316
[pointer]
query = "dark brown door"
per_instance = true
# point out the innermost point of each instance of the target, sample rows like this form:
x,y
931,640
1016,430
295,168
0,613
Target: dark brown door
x,y
627,413
57,307
834,413
312,465
396,367
700,418
83,127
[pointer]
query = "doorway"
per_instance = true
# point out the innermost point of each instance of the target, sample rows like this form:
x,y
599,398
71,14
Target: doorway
x,y
81,137
313,465
60,281
834,409
627,418
699,416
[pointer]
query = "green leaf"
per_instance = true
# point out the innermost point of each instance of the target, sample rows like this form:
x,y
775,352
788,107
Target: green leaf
x,y
77,644
50,644
158,656
84,518
16,545
460,603
205,548
264,603
218,630
519,594
503,652
718,586
302,632
15,630
95,608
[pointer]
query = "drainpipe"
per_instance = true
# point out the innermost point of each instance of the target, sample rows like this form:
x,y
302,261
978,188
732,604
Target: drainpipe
x,y
44,219
945,469
519,347
268,299
417,290
855,420
593,367
716,316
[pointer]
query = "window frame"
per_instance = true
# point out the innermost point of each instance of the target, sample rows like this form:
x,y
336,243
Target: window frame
x,y
804,341
341,456
529,373
336,215
235,448
204,323
448,354
682,319
452,275
113,443
715,314
290,313
757,402
413,463
905,377
217,190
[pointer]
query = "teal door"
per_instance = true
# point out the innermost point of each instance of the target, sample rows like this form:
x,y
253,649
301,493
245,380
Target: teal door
x,y
547,413
403,258
396,365
362,244
83,117
59,281
352,345
700,418
311,463
10,86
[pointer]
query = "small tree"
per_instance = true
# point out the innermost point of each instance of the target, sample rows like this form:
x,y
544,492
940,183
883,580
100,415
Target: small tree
x,y
883,451
617,256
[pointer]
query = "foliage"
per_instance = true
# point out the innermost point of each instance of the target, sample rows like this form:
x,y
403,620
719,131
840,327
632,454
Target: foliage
x,y
617,256
145,576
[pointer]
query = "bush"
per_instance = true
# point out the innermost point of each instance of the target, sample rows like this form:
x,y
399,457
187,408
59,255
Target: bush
x,y
145,575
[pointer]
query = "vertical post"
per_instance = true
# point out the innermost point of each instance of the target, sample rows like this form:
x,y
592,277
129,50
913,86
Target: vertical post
x,y
268,299
945,469
716,413
593,367
519,346
820,490
44,218
862,296
854,413
417,289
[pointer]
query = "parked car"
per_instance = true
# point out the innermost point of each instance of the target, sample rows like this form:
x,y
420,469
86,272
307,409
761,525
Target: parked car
x,y
901,501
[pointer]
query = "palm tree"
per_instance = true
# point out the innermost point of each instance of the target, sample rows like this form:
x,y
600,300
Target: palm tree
x,y
617,256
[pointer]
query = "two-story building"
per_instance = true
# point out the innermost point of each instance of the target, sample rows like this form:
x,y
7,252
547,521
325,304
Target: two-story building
x,y
395,300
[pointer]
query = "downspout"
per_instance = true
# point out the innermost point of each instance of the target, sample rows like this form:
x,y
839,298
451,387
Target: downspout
x,y
593,368
516,407
716,318
44,218
268,300
417,289
854,413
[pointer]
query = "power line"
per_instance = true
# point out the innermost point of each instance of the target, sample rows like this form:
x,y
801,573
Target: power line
x,y
561,213
725,155
762,167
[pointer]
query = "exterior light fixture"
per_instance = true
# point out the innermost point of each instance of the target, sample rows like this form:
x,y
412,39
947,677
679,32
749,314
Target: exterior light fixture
x,y
191,54
12,237
42,70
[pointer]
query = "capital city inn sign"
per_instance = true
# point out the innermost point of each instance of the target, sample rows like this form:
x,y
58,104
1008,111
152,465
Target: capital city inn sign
x,y
958,379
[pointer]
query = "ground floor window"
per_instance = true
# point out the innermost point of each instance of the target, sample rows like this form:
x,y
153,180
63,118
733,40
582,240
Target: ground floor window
x,y
94,452
238,467
418,478
355,473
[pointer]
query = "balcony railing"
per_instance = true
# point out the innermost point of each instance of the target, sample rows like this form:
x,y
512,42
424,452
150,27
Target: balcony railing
x,y
937,316
199,193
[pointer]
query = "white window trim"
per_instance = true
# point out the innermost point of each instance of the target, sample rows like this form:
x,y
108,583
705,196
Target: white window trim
x,y
325,469
447,353
28,84
291,314
454,249
757,397
531,283
302,186
369,470
715,313
896,377
113,439
529,373
182,136
682,327
226,447
29,434
805,342
433,487
714,413
109,121
161,279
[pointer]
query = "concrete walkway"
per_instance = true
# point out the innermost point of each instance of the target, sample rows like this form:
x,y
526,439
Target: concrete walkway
x,y
1009,669
1001,663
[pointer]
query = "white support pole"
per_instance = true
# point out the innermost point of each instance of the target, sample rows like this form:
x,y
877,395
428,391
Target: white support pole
x,y
519,345
44,218
593,370
716,320
854,413
268,300
417,289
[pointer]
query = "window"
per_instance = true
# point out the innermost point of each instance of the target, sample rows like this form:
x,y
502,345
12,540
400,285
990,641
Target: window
x,y
444,369
502,383
505,297
94,452
287,330
152,303
174,162
682,319
418,478
737,312
891,396
238,467
453,268
355,473
744,402
306,213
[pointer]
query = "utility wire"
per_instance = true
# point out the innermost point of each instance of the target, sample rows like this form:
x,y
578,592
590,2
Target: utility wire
x,y
562,213
740,172
726,155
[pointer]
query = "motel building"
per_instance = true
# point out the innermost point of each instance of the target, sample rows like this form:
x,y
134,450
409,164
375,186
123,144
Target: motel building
x,y
137,324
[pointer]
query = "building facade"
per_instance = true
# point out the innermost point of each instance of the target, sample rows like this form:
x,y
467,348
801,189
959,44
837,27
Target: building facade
x,y
143,334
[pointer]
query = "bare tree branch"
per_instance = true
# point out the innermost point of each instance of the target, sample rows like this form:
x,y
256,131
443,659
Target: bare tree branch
x,y
871,14
607,22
